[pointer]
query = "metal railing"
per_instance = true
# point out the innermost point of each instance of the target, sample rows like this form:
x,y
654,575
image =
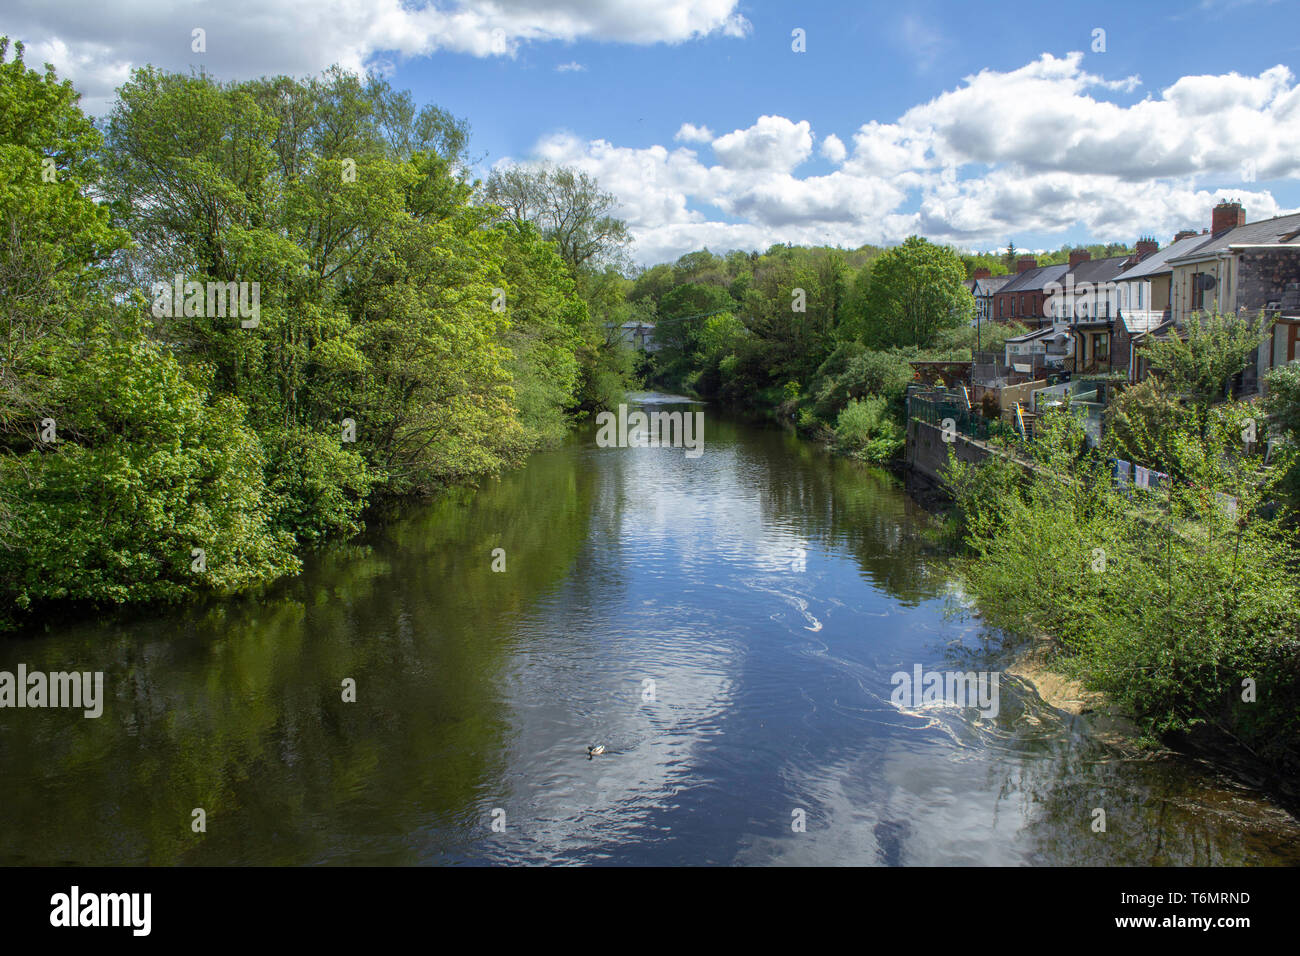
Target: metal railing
x,y
968,422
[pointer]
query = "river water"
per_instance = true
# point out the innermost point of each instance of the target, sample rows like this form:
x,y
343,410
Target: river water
x,y
726,626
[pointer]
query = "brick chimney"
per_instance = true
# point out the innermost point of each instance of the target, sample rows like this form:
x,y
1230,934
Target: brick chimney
x,y
1146,246
1026,263
981,273
1227,215
1184,234
1079,255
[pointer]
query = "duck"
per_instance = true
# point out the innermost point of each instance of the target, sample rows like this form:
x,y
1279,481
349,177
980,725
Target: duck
x,y
595,751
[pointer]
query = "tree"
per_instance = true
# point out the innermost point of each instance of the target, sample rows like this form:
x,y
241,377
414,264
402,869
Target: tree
x,y
151,466
377,276
54,236
1201,362
1143,424
914,291
569,208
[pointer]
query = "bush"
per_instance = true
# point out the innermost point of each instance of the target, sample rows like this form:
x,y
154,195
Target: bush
x,y
1165,601
865,374
865,430
319,486
147,469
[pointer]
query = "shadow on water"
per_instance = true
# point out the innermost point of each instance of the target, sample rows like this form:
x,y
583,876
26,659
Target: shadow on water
x,y
725,625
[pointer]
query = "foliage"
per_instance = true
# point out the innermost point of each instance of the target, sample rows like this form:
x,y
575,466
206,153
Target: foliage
x,y
569,208
865,430
1167,601
405,336
914,291
153,467
1201,362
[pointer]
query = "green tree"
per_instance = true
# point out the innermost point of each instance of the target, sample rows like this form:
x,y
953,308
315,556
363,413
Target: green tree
x,y
55,238
568,206
915,291
1200,361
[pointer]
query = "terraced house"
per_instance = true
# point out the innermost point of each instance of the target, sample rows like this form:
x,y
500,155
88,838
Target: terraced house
x,y
1246,268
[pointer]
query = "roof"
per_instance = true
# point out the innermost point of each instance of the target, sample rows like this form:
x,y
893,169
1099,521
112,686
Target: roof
x,y
1099,270
1163,330
1158,262
1036,334
990,284
1280,229
1034,280
1141,320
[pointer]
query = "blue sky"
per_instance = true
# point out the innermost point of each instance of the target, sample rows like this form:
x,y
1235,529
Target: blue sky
x,y
971,123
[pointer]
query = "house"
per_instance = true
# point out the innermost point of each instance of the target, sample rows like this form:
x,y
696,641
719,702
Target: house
x,y
1145,297
1144,287
1240,267
1024,298
1042,349
982,286
1086,304
1208,276
1284,347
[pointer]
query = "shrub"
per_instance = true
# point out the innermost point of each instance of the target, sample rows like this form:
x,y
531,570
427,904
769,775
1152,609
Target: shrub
x,y
865,430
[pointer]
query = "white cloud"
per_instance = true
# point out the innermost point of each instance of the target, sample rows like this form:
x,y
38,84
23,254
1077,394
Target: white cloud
x,y
833,149
690,133
1044,117
773,143
94,44
1042,150
571,68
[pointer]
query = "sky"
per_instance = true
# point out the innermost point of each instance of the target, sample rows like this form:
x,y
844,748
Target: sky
x,y
733,124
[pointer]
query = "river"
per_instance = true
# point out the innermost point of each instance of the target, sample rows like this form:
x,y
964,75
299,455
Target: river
x,y
725,625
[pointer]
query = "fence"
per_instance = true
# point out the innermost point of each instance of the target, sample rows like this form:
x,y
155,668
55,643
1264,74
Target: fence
x,y
936,409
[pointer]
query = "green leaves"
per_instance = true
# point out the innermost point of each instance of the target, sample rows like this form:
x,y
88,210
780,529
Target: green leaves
x,y
152,467
198,453
914,291
1190,596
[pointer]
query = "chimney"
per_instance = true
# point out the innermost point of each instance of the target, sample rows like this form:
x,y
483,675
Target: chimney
x,y
1079,255
1025,264
1184,234
981,273
1227,215
1146,246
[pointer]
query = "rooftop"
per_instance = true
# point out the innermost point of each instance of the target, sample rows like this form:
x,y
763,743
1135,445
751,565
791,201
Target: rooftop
x,y
1158,262
1035,280
1281,229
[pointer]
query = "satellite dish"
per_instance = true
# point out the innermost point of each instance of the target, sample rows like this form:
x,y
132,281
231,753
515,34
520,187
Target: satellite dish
x,y
1205,281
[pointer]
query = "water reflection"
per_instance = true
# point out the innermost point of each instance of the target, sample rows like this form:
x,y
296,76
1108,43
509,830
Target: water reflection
x,y
725,625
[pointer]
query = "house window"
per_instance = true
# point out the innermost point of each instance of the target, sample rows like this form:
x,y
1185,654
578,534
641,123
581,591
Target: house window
x,y
1198,293
1138,293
